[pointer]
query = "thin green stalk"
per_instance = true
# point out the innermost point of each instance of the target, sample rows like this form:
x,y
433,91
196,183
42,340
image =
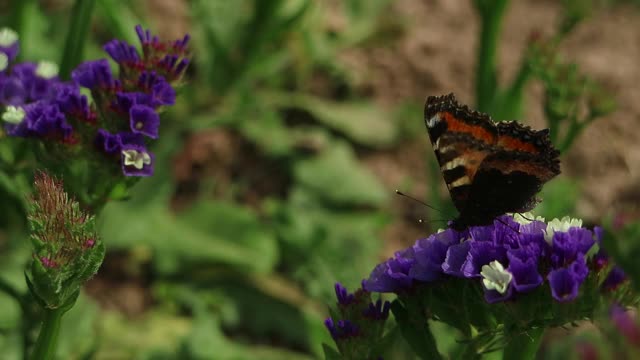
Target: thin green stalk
x,y
491,14
511,105
78,31
21,19
45,347
524,346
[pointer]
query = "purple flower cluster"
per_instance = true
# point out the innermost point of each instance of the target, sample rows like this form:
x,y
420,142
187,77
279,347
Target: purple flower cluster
x,y
124,115
509,258
143,87
357,311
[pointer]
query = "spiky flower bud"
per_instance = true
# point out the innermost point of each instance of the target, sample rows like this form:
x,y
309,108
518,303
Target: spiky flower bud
x,y
66,248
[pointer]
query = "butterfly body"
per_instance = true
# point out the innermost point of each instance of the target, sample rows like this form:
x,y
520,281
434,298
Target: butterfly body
x,y
489,168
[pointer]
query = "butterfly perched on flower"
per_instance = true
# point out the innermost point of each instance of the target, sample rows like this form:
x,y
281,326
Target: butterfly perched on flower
x,y
489,168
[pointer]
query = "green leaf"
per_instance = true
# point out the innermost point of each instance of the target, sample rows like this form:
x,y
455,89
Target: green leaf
x,y
210,233
416,332
330,353
76,36
523,345
361,121
337,176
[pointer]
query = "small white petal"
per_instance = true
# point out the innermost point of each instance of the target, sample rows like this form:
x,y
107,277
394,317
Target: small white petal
x,y
47,69
562,225
13,115
495,277
525,219
8,37
136,159
4,61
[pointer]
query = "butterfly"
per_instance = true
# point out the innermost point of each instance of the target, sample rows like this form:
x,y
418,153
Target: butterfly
x,y
490,168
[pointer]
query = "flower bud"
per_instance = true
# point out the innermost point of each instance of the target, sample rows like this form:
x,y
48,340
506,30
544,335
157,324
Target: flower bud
x,y
66,249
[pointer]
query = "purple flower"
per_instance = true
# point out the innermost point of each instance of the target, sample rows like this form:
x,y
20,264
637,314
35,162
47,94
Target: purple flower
x,y
94,74
144,120
430,253
42,120
344,298
71,102
125,100
107,142
392,275
614,279
174,65
377,311
136,160
12,91
146,39
161,92
341,330
481,253
455,259
525,274
122,52
564,284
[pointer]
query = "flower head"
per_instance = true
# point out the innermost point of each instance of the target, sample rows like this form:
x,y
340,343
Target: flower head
x,y
60,232
510,258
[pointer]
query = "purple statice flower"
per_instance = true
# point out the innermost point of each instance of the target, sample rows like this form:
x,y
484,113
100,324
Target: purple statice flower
x,y
144,120
430,254
42,120
160,91
377,311
343,329
12,91
343,296
615,278
73,103
107,142
94,75
393,274
511,257
122,52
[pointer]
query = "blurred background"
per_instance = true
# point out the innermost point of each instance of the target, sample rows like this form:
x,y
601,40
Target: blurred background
x,y
276,170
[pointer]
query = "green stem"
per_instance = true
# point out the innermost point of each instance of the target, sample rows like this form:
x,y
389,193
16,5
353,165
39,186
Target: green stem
x,y
511,106
45,347
21,20
523,346
491,15
78,31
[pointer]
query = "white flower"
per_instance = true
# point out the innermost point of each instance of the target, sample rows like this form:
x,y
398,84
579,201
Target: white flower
x,y
13,115
7,37
524,219
47,69
562,225
4,61
136,159
495,277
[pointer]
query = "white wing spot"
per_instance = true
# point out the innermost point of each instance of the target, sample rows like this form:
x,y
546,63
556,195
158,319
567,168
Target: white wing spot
x,y
433,121
459,161
460,182
446,149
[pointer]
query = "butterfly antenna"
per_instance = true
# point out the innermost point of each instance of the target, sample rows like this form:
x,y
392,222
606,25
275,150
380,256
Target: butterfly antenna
x,y
517,231
398,192
526,218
